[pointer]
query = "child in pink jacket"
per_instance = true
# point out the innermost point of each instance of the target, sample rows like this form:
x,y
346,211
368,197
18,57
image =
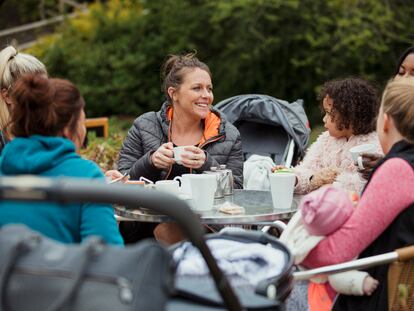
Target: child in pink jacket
x,y
351,107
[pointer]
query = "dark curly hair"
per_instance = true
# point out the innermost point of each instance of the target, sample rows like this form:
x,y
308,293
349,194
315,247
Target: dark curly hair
x,y
355,104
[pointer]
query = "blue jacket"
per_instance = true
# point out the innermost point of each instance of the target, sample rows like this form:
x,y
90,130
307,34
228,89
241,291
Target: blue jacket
x,y
68,223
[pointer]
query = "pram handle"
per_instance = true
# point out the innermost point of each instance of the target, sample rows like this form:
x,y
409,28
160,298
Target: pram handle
x,y
400,254
65,190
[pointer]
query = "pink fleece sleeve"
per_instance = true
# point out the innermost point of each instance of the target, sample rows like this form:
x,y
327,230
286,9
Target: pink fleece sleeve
x,y
389,193
351,181
310,164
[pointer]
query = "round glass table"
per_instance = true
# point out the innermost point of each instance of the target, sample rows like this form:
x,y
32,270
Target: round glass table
x,y
258,210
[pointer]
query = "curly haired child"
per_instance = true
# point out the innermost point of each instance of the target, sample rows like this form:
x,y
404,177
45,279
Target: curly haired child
x,y
351,107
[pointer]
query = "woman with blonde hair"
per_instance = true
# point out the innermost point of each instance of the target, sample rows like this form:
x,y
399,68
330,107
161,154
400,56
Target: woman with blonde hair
x,y
384,217
403,69
12,65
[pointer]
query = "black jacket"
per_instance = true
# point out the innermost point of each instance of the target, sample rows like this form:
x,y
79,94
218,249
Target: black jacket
x,y
150,131
399,234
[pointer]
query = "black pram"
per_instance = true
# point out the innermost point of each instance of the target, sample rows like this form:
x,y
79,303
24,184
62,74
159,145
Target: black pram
x,y
269,126
80,286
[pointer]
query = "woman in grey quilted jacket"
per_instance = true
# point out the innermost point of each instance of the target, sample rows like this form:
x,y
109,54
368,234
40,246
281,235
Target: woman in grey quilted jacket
x,y
186,119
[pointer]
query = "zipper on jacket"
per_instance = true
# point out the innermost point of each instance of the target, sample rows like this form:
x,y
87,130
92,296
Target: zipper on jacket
x,y
211,140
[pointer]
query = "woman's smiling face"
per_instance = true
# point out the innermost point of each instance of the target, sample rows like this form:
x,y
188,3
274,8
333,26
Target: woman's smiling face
x,y
195,95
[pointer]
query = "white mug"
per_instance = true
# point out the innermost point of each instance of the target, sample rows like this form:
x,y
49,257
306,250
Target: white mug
x,y
178,151
170,186
203,187
185,181
282,186
358,150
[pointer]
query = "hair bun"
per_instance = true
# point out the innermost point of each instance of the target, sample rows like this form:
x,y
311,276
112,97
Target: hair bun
x,y
33,90
177,62
169,64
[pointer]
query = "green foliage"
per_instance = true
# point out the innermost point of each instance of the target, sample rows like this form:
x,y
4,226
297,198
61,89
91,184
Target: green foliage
x,y
105,152
284,48
316,131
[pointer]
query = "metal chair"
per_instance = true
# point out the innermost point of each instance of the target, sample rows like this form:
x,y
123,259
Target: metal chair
x,y
400,275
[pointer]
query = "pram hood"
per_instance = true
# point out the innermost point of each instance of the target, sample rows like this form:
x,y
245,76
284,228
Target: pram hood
x,y
269,110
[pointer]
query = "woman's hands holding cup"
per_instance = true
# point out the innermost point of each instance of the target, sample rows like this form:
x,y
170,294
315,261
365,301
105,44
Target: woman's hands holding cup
x,y
163,157
368,161
194,157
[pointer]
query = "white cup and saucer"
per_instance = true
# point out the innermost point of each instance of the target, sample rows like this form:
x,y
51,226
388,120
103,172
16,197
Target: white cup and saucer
x,y
203,187
173,187
198,190
185,184
168,186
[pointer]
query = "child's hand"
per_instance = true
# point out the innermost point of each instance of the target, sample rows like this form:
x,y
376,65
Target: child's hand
x,y
354,197
282,167
324,176
370,285
278,167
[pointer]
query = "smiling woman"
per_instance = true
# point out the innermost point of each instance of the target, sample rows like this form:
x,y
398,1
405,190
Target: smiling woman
x,y
185,119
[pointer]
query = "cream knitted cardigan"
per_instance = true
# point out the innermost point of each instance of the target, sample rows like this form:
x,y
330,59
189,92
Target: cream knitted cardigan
x,y
328,151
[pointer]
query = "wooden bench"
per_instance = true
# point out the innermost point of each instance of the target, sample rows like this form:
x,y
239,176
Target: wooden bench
x,y
98,125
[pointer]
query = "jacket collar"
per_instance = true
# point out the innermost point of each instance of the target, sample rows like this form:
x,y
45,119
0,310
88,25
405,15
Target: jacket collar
x,y
213,123
400,149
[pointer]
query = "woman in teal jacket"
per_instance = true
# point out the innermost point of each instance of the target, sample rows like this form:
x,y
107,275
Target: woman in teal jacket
x,y
47,123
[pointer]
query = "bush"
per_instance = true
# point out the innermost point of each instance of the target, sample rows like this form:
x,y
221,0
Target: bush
x,y
283,48
105,152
